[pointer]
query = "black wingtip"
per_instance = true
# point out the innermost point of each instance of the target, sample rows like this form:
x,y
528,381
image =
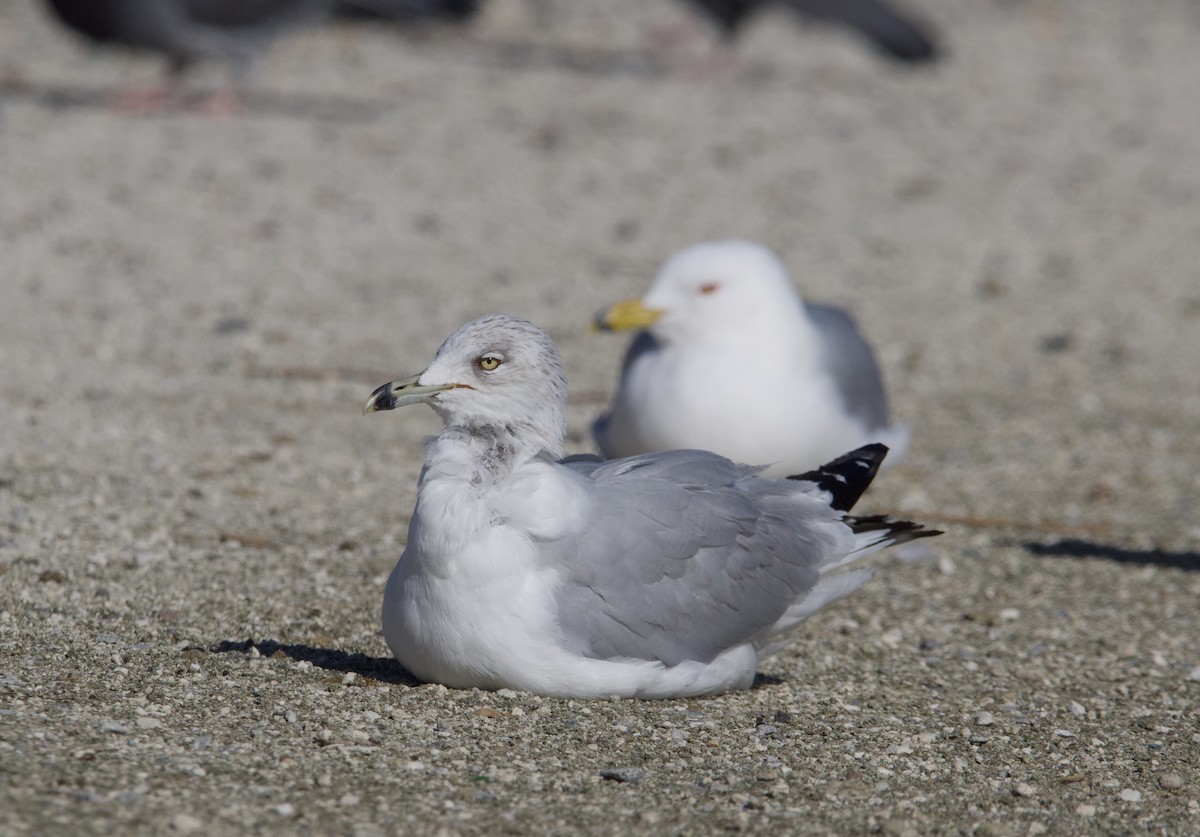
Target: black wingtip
x,y
848,476
899,531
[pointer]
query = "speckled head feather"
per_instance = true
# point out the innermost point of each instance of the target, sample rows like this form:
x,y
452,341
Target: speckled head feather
x,y
506,373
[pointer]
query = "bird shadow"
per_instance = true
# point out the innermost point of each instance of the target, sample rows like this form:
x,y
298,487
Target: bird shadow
x,y
383,669
766,681
258,103
1076,548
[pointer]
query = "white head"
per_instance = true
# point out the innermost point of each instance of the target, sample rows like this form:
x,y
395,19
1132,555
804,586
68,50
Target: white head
x,y
712,291
495,375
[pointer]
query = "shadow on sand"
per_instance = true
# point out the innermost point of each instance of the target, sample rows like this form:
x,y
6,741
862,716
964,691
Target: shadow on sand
x,y
384,669
1074,548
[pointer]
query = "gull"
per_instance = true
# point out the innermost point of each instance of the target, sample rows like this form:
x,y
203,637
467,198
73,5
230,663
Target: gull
x,y
657,576
733,361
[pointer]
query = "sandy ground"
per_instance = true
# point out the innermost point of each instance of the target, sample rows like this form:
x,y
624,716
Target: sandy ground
x,y
196,522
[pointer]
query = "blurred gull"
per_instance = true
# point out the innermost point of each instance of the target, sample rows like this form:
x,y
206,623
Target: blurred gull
x,y
658,576
734,362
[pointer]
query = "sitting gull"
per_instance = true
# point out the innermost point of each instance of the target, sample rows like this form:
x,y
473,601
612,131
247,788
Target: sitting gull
x,y
734,362
657,576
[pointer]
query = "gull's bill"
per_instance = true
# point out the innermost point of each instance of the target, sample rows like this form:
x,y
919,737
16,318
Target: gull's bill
x,y
402,393
626,315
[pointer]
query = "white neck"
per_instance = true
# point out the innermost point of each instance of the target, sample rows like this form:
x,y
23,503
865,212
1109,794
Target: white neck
x,y
482,455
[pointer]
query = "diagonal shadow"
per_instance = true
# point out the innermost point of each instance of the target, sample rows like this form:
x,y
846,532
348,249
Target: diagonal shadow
x,y
384,669
1075,548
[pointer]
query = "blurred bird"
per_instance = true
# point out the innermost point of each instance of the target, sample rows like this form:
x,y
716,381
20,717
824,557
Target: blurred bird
x,y
186,31
891,30
734,362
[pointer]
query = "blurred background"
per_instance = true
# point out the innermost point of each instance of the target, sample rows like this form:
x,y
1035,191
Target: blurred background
x,y
194,306
1011,222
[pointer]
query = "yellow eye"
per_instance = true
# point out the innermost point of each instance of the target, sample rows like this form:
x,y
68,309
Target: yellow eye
x,y
489,363
708,288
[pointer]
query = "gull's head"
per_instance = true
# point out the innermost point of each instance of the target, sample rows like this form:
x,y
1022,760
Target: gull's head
x,y
709,290
494,372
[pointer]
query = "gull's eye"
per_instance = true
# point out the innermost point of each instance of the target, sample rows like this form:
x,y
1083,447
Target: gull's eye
x,y
488,363
708,288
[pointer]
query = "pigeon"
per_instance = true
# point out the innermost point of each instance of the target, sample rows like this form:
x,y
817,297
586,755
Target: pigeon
x,y
186,31
658,576
733,361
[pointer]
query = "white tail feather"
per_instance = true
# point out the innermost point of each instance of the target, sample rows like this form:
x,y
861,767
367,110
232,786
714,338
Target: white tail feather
x,y
829,589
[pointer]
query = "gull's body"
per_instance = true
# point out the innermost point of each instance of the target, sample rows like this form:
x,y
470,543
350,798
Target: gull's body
x,y
735,362
655,576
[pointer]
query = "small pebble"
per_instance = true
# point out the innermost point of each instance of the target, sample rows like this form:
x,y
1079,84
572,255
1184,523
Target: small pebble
x,y
148,723
185,823
1086,809
1170,781
985,719
898,828
1076,709
285,809
627,775
1024,789
1130,795
1195,675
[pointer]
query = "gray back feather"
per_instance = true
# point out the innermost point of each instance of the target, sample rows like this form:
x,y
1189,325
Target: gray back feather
x,y
853,363
691,555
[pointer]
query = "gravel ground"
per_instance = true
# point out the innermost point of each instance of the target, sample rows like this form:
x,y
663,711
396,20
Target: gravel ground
x,y
196,522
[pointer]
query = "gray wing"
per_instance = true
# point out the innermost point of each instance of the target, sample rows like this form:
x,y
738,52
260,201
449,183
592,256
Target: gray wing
x,y
853,364
253,14
642,344
687,555
407,10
